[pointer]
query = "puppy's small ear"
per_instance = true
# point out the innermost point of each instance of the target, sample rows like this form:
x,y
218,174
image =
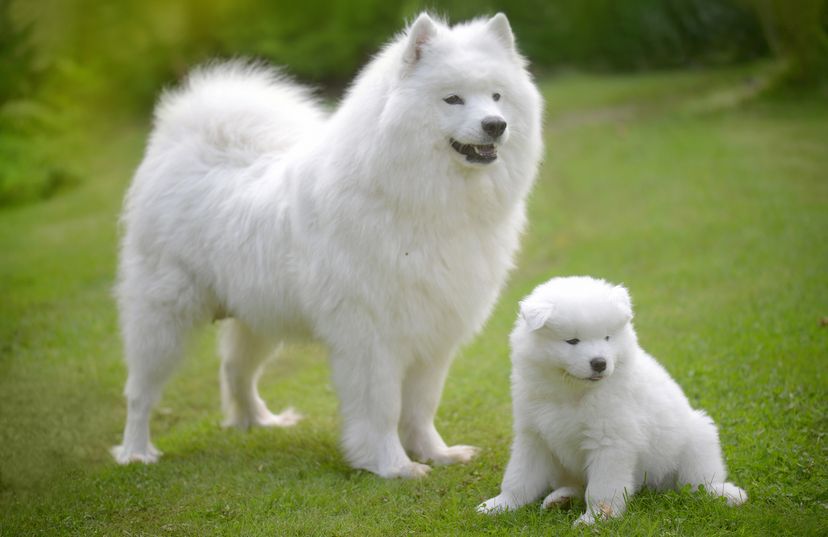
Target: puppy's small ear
x,y
419,34
621,298
535,314
499,27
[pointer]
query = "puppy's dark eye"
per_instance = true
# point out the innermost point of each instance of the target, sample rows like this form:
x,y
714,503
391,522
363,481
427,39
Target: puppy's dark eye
x,y
454,99
606,338
496,96
573,341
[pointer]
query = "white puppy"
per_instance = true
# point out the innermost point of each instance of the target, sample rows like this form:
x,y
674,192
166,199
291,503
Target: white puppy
x,y
385,231
593,412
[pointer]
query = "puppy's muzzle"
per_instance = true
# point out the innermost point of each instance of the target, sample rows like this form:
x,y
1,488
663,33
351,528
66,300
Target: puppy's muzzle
x,y
598,364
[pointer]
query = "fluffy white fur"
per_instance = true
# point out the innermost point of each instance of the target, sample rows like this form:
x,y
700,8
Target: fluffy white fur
x,y
365,230
593,413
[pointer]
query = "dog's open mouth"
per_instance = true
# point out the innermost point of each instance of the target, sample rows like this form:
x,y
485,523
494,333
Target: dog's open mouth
x,y
593,378
482,153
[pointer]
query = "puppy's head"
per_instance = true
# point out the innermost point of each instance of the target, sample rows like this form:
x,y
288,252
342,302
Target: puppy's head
x,y
579,326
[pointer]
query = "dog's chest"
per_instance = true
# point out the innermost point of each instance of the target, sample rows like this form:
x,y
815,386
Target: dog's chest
x,y
457,273
425,278
444,281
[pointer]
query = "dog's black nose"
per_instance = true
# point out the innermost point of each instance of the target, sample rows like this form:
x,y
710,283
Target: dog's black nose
x,y
598,364
493,126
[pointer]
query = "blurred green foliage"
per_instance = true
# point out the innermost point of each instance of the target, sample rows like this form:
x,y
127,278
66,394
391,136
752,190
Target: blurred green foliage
x,y
17,65
636,34
27,169
798,32
136,46
68,62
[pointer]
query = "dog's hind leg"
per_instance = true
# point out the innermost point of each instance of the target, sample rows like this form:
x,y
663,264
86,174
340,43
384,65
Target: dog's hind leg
x,y
243,354
702,463
152,340
422,389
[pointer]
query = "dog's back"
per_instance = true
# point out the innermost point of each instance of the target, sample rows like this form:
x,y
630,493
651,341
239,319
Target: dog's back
x,y
235,112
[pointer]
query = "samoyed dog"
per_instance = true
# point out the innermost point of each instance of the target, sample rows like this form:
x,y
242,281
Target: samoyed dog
x,y
385,231
595,413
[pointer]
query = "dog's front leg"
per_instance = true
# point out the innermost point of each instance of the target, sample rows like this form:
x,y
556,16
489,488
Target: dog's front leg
x,y
368,379
609,483
422,388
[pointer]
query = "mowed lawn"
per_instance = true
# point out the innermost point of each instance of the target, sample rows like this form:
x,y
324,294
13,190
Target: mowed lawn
x,y
710,204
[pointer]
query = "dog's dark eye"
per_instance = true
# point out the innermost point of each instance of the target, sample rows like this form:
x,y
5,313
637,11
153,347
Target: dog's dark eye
x,y
573,341
606,338
496,96
454,99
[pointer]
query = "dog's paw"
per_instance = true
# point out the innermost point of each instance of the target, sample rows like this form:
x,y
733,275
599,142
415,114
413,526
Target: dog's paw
x,y
560,497
286,418
409,470
263,418
499,504
454,454
124,455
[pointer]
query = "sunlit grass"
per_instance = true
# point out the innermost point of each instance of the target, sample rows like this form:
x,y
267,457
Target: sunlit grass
x,y
714,218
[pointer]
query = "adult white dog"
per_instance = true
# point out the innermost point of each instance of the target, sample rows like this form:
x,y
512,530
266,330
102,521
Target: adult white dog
x,y
385,231
593,411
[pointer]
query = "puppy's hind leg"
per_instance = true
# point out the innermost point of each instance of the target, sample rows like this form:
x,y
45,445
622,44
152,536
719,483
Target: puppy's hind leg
x,y
152,340
702,463
243,354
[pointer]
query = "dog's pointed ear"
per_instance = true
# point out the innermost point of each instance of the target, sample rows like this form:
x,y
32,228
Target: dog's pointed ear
x,y
419,34
499,27
621,298
535,314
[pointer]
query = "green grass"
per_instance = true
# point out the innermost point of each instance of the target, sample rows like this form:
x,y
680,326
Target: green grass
x,y
709,204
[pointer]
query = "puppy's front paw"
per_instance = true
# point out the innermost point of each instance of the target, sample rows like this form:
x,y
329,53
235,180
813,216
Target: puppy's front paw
x,y
587,519
498,504
600,511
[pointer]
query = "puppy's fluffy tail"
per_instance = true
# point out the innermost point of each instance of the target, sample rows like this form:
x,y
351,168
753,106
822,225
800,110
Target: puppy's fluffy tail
x,y
234,112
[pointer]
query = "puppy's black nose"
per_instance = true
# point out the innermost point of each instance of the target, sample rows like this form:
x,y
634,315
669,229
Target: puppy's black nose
x,y
493,126
598,364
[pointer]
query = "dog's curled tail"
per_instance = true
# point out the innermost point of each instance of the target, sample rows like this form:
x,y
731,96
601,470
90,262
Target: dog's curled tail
x,y
236,111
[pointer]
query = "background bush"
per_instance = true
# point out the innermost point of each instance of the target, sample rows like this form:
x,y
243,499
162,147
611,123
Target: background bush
x,y
61,56
138,45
